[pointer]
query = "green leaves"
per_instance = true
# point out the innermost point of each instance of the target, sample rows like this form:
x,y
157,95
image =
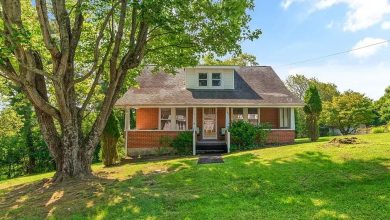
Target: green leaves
x,y
313,103
348,111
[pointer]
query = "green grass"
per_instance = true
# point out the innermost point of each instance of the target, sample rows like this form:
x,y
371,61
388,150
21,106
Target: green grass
x,y
301,181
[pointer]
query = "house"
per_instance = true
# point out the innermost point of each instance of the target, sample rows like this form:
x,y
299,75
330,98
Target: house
x,y
205,100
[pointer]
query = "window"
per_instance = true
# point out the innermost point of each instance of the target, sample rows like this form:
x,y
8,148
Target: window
x,y
284,117
181,116
166,116
238,114
216,79
202,79
253,116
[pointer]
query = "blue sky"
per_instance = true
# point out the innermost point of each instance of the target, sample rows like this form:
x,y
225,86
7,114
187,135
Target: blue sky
x,y
297,30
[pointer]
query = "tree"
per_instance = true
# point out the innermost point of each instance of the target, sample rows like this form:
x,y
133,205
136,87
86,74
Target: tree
x,y
383,107
71,44
312,108
242,59
348,111
110,137
298,84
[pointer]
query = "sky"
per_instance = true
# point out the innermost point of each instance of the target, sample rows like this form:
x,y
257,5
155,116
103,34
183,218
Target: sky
x,y
300,30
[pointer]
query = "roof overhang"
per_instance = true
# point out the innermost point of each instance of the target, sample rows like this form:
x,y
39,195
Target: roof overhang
x,y
241,105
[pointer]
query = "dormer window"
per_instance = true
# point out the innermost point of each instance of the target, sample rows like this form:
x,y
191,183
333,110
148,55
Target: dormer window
x,y
202,79
216,79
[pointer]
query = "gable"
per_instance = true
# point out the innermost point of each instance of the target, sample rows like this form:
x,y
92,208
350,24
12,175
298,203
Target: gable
x,y
193,78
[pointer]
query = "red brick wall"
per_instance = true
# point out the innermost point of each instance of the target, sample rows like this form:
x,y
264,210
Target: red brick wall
x,y
281,137
147,139
147,118
271,116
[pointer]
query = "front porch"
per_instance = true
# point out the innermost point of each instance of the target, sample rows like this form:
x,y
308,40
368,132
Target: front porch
x,y
209,125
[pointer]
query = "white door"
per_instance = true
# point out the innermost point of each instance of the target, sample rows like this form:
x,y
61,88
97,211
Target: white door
x,y
209,123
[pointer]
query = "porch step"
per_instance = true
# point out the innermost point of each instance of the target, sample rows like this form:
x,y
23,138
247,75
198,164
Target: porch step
x,y
211,147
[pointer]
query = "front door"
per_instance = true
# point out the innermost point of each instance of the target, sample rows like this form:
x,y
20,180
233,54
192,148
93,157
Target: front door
x,y
209,123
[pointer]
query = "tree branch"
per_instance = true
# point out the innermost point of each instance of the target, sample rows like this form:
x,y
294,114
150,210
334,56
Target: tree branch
x,y
45,27
77,26
97,46
118,38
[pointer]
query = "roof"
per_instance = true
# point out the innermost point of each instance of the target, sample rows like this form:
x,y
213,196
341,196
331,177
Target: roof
x,y
254,86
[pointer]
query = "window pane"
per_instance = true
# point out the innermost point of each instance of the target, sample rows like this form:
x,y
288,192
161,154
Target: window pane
x,y
216,82
284,117
166,119
216,76
253,116
202,82
181,119
166,113
238,114
202,75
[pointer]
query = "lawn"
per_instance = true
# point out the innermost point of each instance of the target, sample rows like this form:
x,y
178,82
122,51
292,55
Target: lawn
x,y
300,181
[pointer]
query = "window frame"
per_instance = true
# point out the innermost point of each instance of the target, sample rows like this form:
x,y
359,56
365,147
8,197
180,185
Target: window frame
x,y
285,118
257,116
203,80
219,79
185,119
237,119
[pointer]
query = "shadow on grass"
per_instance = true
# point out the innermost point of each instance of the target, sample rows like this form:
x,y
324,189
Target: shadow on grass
x,y
307,185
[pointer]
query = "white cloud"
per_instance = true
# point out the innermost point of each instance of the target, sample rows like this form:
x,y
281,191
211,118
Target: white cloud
x,y
386,25
285,4
361,14
330,25
368,51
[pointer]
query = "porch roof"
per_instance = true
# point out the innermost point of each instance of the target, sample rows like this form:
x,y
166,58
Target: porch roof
x,y
254,86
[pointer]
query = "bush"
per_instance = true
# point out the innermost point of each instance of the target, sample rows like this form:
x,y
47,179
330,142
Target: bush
x,y
183,143
245,135
166,145
377,130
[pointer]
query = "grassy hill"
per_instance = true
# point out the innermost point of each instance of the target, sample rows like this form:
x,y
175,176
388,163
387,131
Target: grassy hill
x,y
300,181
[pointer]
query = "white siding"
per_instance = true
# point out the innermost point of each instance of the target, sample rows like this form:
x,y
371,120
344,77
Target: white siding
x,y
192,80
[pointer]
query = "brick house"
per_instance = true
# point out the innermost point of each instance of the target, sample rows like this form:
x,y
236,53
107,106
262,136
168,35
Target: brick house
x,y
205,100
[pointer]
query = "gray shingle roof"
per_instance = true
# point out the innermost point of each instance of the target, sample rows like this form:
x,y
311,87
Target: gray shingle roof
x,y
254,86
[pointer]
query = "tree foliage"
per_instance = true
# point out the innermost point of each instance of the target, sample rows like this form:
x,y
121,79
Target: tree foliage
x,y
312,109
242,59
72,58
110,136
383,107
348,111
298,84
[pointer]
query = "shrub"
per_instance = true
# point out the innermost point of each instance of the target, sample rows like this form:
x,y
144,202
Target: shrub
x,y
377,130
166,145
183,143
245,135
262,132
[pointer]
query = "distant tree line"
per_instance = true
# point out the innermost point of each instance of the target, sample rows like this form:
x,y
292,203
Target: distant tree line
x,y
345,111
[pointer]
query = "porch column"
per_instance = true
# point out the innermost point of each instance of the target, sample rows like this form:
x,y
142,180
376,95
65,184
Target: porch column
x,y
227,120
227,133
127,126
127,119
194,131
292,118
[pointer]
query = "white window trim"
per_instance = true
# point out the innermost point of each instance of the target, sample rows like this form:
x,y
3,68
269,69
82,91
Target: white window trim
x,y
207,80
220,80
173,118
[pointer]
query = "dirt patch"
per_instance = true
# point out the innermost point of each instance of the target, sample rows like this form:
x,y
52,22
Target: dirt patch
x,y
344,141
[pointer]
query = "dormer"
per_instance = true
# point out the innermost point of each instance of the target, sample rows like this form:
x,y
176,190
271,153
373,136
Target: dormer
x,y
210,77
